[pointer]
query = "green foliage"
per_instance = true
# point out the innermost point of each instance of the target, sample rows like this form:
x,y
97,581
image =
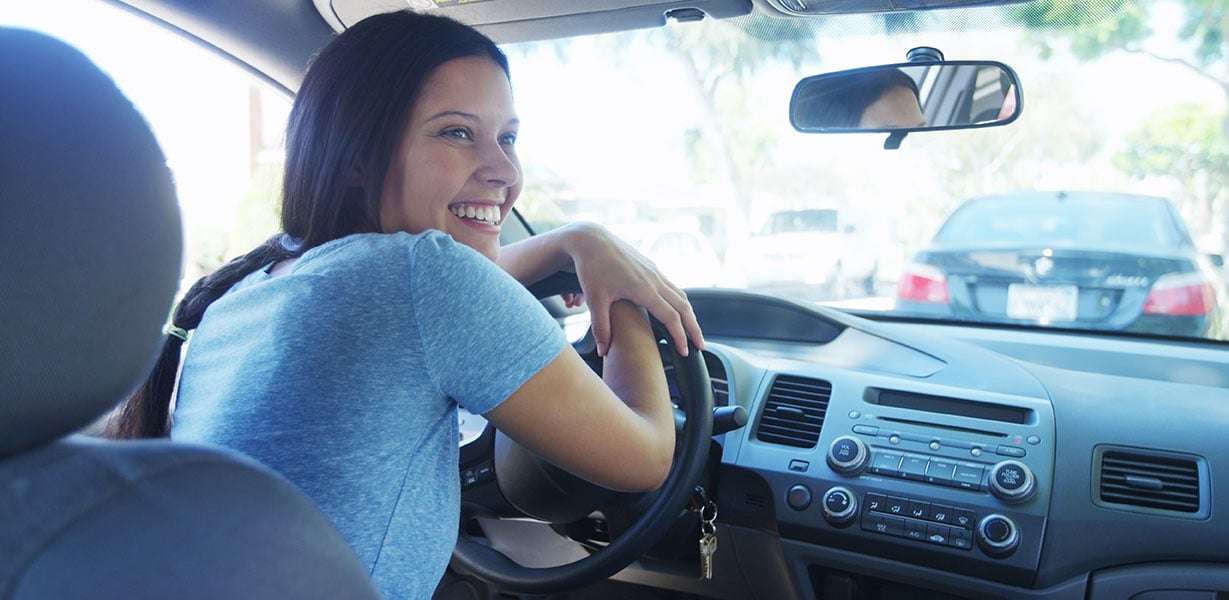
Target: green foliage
x,y
1092,29
1207,25
1184,143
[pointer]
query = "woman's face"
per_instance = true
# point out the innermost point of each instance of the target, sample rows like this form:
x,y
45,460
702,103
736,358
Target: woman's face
x,y
455,167
896,108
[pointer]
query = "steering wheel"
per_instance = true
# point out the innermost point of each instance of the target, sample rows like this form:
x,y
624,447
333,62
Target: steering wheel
x,y
691,454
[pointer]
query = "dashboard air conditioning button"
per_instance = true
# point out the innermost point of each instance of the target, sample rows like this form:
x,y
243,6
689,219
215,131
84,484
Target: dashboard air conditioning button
x,y
997,535
840,506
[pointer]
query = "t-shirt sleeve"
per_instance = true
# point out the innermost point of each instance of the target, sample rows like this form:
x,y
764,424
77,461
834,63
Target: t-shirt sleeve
x,y
483,334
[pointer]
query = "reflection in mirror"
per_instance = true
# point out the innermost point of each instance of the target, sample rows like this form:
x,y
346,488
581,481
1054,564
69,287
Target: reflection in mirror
x,y
907,97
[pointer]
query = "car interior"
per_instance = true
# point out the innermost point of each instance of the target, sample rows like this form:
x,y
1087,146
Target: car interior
x,y
825,449
93,236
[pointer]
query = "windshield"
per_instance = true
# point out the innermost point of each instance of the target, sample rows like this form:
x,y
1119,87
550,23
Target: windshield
x,y
1117,99
1024,220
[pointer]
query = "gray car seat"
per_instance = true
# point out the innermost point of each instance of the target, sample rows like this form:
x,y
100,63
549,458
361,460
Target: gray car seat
x,y
90,253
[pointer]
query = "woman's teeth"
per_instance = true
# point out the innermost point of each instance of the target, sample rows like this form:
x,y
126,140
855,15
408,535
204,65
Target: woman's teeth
x,y
488,214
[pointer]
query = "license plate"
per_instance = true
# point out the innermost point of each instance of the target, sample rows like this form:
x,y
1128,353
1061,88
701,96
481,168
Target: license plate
x,y
1042,303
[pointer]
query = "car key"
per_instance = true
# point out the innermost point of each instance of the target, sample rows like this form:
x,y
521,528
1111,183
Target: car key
x,y
708,539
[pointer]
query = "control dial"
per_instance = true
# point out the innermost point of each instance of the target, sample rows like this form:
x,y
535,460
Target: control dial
x,y
1012,482
840,506
848,455
997,535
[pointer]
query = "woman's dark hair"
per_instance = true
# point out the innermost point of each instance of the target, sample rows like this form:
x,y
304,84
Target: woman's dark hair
x,y
343,129
838,100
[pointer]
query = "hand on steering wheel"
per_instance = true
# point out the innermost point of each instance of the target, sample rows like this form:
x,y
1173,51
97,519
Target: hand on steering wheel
x,y
516,470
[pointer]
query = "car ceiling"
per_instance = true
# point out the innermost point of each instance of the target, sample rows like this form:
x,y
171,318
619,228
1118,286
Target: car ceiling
x,y
277,38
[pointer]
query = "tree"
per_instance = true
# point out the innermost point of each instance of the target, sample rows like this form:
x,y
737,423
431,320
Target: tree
x,y
1184,144
719,61
1127,25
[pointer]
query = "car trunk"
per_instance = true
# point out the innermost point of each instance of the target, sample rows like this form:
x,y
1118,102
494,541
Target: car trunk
x,y
1085,287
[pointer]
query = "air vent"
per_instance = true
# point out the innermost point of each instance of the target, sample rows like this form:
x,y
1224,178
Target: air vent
x,y
1150,481
794,412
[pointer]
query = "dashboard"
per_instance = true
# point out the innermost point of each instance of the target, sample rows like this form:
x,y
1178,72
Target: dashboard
x,y
890,459
883,459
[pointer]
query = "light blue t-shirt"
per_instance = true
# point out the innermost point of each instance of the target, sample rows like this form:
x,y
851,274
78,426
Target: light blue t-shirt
x,y
344,375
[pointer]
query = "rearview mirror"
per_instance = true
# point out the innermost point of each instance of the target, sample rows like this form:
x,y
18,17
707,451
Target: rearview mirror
x,y
906,97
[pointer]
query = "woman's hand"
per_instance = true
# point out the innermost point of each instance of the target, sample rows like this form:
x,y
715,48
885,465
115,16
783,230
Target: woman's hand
x,y
609,270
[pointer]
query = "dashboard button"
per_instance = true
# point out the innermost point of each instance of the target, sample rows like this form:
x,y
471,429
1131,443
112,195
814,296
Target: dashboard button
x,y
918,509
914,467
964,517
886,463
848,455
896,506
941,513
840,506
866,430
1012,481
892,526
876,502
1011,451
960,538
915,530
938,534
969,477
997,535
798,497
799,466
940,471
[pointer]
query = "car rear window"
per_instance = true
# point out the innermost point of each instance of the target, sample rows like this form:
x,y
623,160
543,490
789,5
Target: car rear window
x,y
1035,220
800,221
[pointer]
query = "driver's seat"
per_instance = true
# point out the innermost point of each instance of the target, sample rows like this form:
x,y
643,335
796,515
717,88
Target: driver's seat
x,y
90,252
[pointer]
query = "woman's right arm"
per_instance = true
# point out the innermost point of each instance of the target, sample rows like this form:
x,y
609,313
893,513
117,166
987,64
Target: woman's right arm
x,y
617,430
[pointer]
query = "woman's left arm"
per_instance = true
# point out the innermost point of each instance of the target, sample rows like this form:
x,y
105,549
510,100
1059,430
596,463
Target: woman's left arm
x,y
609,270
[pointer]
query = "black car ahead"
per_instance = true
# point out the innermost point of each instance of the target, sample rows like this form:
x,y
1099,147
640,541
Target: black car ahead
x,y
1092,260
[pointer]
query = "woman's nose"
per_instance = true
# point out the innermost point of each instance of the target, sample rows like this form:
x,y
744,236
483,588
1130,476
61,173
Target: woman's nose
x,y
499,166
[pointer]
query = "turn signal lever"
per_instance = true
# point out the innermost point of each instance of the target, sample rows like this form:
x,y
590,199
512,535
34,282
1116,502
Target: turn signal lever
x,y
728,418
725,419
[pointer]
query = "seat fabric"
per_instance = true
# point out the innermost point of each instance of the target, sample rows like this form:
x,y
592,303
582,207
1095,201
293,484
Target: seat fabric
x,y
90,259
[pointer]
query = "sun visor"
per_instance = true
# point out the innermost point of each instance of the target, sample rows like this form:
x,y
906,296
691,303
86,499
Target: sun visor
x,y
508,21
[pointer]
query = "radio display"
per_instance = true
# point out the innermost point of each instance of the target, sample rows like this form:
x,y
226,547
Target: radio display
x,y
952,406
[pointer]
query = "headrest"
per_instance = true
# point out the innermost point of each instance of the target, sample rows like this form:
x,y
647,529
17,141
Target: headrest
x,y
90,241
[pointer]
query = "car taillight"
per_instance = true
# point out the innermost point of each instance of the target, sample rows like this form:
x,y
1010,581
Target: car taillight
x,y
922,283
1180,294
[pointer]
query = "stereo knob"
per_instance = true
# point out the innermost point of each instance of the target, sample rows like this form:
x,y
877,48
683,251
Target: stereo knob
x,y
848,455
840,506
997,535
1012,482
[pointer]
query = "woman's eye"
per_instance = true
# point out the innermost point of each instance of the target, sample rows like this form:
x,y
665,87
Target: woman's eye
x,y
459,133
508,139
